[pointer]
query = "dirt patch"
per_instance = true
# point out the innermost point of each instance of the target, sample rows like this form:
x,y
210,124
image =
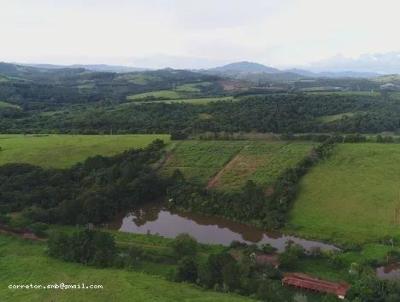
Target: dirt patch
x,y
214,182
20,233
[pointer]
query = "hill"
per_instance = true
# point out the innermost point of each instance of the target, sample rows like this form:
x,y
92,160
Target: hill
x,y
243,67
353,196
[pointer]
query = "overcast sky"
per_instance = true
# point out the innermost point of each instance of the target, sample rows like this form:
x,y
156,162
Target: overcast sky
x,y
193,33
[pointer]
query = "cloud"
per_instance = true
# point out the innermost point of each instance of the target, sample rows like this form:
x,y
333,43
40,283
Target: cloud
x,y
273,32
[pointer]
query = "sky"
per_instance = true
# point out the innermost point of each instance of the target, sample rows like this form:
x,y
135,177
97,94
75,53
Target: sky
x,y
195,34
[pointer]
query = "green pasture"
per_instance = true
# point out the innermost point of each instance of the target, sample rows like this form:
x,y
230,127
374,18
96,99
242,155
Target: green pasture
x,y
61,151
354,196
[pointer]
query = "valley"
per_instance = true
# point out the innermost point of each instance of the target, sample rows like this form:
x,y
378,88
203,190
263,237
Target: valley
x,y
288,169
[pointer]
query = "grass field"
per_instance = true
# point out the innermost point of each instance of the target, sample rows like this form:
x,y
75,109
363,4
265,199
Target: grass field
x,y
229,164
354,196
196,101
334,117
8,105
161,94
62,151
24,262
185,91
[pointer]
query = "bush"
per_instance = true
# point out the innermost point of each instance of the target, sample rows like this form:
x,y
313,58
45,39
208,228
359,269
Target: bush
x,y
38,228
187,270
184,245
87,247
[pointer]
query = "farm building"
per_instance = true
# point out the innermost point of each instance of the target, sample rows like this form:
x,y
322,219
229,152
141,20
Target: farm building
x,y
304,281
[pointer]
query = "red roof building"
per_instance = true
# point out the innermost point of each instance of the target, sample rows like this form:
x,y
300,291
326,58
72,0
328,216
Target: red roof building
x,y
304,281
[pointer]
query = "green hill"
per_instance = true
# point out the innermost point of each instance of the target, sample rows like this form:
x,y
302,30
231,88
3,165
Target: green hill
x,y
353,196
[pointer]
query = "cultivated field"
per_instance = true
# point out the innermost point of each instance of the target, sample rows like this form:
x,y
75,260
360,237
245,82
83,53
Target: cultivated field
x,y
262,163
62,151
24,262
229,164
200,160
353,196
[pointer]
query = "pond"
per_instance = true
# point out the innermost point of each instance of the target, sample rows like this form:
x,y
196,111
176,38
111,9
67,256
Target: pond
x,y
389,272
156,219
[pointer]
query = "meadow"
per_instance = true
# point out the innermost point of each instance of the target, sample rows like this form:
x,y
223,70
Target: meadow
x,y
62,151
229,165
25,262
354,196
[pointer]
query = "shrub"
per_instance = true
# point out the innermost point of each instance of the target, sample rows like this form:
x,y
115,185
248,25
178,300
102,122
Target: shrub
x,y
184,245
187,270
38,228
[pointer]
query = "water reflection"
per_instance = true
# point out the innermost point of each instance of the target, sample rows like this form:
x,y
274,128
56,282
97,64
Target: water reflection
x,y
155,219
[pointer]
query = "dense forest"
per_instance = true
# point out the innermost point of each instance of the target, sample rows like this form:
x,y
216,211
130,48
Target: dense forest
x,y
94,191
278,113
75,100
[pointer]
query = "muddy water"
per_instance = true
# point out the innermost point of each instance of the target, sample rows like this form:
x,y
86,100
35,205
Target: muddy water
x,y
155,219
389,272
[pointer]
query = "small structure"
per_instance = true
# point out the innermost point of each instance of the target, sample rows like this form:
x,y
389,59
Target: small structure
x,y
271,259
304,281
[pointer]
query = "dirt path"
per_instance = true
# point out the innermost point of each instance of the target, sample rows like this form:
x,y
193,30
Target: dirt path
x,y
23,235
213,182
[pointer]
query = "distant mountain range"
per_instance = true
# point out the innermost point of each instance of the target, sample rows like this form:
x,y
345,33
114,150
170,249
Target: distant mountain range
x,y
91,67
248,71
256,71
382,63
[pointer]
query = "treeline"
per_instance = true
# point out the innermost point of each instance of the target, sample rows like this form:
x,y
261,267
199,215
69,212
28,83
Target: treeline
x,y
279,113
253,204
90,192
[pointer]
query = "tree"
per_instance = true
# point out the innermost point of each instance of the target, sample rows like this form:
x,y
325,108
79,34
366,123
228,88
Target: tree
x,y
86,246
187,270
231,276
184,245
